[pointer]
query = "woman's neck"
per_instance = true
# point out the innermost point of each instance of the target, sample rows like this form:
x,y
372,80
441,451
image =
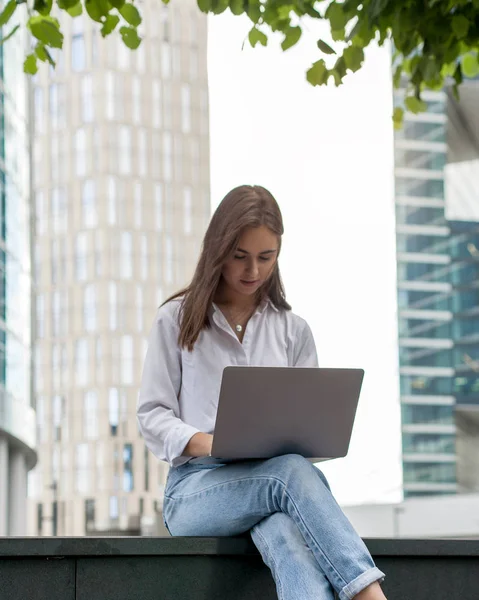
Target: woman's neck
x,y
225,296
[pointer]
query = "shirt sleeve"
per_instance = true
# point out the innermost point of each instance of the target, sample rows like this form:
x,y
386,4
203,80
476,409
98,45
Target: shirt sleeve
x,y
158,412
304,354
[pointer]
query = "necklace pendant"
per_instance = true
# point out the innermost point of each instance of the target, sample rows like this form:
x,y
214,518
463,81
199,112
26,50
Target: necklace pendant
x,y
238,328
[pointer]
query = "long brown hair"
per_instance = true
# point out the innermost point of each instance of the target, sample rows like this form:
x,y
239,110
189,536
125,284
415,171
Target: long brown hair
x,y
243,207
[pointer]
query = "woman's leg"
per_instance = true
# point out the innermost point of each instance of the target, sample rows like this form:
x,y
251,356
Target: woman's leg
x,y
232,499
293,566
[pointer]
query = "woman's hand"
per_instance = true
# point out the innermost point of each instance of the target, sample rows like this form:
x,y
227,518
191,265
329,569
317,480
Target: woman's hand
x,y
199,445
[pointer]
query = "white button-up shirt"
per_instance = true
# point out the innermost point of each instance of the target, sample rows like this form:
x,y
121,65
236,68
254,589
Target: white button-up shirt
x,y
180,389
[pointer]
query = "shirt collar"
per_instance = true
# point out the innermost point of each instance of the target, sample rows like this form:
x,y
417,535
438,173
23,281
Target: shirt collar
x,y
264,304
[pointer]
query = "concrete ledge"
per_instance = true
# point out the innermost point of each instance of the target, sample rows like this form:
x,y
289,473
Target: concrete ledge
x,y
212,568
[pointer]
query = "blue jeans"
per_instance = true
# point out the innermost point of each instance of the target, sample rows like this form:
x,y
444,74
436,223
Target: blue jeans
x,y
296,524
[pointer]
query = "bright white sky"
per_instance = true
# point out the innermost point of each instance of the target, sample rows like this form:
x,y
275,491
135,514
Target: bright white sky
x,y
326,154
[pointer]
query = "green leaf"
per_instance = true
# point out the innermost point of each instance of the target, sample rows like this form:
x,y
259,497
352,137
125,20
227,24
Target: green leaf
x,y
204,5
284,12
253,10
30,65
460,25
470,65
130,37
336,16
130,14
119,3
324,47
109,25
291,37
11,34
75,11
98,9
256,36
93,11
318,74
67,4
338,35
43,54
398,117
353,57
237,7
415,105
47,30
7,12
42,6
397,76
219,6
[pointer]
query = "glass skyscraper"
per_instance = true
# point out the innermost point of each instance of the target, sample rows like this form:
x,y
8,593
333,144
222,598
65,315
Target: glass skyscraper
x,y
437,235
17,415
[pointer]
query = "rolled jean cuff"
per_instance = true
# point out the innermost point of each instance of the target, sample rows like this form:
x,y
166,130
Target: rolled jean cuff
x,y
360,583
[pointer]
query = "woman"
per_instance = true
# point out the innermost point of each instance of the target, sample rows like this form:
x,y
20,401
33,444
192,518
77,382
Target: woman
x,y
234,312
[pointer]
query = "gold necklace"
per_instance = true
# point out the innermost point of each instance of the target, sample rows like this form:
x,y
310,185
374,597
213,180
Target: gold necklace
x,y
238,326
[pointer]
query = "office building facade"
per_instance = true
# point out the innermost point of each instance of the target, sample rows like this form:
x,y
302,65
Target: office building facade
x,y
121,181
17,414
437,227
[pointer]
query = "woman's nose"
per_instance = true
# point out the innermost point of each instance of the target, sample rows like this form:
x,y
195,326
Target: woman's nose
x,y
253,267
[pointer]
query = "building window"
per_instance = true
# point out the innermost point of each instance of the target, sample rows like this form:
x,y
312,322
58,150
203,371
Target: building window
x,y
90,415
194,67
187,210
195,160
144,256
41,213
78,45
99,361
127,359
124,149
167,156
89,308
159,206
128,468
168,259
123,56
126,255
89,514
39,367
79,143
41,423
114,508
57,106
136,95
155,154
59,419
147,468
39,518
89,210
99,250
59,210
167,105
38,112
138,205
87,99
110,95
113,411
40,321
166,60
185,108
139,308
142,153
56,313
112,200
82,468
157,120
113,305
81,361
81,256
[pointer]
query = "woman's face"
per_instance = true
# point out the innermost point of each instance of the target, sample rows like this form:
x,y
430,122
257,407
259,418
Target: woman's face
x,y
252,262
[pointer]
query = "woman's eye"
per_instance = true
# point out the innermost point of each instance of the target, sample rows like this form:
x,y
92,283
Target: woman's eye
x,y
265,258
240,257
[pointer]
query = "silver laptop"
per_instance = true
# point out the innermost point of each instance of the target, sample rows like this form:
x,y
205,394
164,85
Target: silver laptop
x,y
270,411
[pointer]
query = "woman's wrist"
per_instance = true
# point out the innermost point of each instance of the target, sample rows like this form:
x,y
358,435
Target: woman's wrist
x,y
199,445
